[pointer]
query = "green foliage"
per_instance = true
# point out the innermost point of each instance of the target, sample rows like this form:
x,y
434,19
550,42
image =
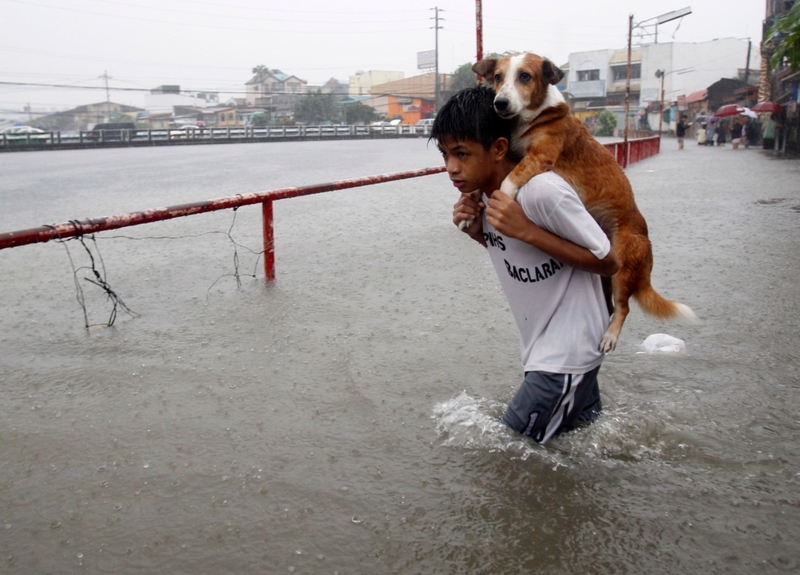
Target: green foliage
x,y
316,107
463,77
358,113
259,120
607,122
785,36
260,70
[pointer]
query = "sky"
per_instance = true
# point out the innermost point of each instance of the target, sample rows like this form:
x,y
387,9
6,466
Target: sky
x,y
213,45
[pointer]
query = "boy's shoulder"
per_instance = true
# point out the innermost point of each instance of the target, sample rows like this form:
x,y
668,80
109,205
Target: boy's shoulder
x,y
546,188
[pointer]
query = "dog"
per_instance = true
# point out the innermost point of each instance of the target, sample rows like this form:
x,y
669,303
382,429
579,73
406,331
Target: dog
x,y
547,137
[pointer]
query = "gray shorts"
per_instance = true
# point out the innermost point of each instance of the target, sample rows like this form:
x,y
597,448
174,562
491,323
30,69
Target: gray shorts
x,y
549,404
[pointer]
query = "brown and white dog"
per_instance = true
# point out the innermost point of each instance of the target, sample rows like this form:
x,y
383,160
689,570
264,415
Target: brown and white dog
x,y
547,137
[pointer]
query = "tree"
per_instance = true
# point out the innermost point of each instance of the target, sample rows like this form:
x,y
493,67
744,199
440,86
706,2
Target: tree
x,y
260,70
785,36
463,77
607,122
358,113
259,120
316,107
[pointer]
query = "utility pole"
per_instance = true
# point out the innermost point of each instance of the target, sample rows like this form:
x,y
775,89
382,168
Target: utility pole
x,y
747,65
479,29
660,74
108,98
436,27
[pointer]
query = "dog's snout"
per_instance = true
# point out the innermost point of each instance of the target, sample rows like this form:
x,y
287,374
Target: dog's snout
x,y
500,104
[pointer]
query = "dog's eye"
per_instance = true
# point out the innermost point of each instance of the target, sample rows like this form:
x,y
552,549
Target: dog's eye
x,y
498,78
524,77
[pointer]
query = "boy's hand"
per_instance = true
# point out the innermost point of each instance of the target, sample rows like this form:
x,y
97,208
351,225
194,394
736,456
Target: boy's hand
x,y
469,208
506,216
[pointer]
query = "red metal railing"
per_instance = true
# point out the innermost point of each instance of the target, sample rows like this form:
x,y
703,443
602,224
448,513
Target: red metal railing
x,y
635,151
89,226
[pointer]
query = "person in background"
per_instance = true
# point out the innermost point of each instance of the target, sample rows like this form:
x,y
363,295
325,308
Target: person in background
x,y
701,134
711,132
722,132
768,133
747,133
680,130
736,133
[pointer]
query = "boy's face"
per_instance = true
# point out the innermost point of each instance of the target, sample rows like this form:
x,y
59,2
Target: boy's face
x,y
470,166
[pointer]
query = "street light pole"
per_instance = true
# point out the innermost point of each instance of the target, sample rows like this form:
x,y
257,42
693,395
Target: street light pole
x,y
661,74
627,93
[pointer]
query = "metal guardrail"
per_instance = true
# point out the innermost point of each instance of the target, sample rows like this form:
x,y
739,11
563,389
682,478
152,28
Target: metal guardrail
x,y
89,226
198,135
633,151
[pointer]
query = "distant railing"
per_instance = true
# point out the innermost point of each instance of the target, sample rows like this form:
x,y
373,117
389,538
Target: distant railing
x,y
198,135
634,150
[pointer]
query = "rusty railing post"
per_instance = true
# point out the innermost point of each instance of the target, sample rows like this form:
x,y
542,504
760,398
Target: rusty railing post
x,y
269,240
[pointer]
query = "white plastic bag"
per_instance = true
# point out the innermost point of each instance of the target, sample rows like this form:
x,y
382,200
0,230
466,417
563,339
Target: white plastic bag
x,y
663,343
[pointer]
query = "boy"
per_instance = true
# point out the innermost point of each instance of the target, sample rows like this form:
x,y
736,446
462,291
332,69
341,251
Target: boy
x,y
546,250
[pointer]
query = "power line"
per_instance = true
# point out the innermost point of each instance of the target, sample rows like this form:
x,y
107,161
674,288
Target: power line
x,y
111,88
327,30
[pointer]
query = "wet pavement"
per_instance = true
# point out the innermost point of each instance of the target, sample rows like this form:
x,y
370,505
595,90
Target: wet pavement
x,y
344,418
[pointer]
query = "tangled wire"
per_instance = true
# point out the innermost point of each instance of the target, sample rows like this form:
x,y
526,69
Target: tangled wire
x,y
98,277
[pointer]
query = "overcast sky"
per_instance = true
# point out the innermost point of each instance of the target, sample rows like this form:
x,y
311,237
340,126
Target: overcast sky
x,y
213,45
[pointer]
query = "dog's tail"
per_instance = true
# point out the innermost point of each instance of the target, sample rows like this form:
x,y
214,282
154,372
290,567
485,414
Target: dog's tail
x,y
652,303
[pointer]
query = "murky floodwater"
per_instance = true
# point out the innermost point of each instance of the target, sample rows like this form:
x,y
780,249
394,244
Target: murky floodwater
x,y
344,418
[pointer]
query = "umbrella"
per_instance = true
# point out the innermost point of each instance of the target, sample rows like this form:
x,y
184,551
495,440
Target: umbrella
x,y
749,113
767,107
729,110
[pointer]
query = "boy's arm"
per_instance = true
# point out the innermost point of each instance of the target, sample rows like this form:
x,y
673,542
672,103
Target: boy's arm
x,y
468,208
507,216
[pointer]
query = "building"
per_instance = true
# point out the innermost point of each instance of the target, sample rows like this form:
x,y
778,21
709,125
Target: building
x,y
361,83
411,99
275,92
163,99
597,79
780,84
334,86
267,83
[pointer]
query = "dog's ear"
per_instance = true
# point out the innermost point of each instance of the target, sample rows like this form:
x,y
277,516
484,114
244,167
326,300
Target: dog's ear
x,y
485,68
551,74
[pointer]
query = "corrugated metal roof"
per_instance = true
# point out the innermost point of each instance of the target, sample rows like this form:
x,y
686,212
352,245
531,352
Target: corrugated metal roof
x,y
697,96
621,57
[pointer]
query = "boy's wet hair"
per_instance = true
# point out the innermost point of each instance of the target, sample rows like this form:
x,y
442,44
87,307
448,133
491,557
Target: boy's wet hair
x,y
469,115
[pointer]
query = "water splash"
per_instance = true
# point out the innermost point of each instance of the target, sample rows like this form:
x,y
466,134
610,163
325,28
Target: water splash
x,y
474,423
618,436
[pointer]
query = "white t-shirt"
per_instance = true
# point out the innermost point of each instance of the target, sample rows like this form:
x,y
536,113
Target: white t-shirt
x,y
560,312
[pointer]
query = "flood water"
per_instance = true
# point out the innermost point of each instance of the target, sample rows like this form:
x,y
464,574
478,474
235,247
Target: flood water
x,y
344,418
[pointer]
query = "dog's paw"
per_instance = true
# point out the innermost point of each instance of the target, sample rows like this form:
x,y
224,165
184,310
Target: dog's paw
x,y
509,188
464,225
608,343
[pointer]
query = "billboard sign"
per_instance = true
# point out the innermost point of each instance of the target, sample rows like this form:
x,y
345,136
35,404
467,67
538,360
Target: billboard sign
x,y
426,60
